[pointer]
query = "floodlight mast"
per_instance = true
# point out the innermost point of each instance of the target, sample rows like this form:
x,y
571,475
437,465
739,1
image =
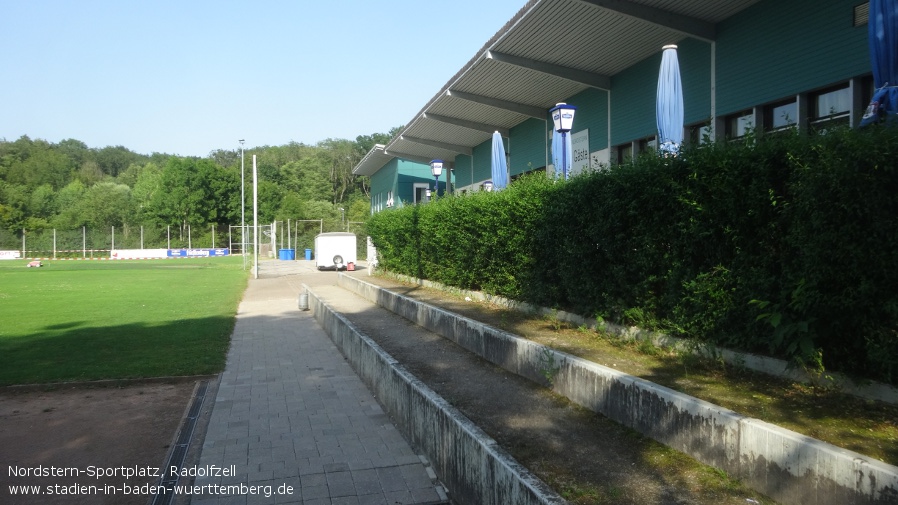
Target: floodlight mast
x,y
242,207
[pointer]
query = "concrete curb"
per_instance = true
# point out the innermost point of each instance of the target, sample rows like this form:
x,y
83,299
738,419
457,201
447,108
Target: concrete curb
x,y
789,467
772,366
474,468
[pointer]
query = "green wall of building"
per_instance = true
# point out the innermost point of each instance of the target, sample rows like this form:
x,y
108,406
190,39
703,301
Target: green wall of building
x,y
777,49
633,101
527,146
592,115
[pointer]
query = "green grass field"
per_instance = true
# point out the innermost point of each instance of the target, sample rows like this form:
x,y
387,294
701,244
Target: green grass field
x,y
87,320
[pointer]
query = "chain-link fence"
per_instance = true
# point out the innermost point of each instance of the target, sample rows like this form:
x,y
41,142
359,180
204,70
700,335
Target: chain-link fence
x,y
297,235
86,242
300,234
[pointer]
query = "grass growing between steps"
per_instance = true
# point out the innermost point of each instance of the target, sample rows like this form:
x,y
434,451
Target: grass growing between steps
x,y
867,427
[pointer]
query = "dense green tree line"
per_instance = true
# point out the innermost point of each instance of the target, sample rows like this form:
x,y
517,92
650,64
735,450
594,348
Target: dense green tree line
x,y
69,185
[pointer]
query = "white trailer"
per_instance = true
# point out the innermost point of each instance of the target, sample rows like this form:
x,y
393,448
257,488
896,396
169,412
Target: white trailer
x,y
335,251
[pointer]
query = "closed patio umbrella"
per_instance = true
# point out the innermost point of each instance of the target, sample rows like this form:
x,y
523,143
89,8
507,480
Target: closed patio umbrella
x,y
499,165
669,103
557,158
883,40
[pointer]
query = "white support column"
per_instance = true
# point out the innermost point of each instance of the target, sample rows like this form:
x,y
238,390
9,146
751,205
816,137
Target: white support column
x,y
255,221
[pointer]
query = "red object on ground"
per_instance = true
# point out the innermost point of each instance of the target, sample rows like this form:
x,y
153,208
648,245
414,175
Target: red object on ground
x,y
350,266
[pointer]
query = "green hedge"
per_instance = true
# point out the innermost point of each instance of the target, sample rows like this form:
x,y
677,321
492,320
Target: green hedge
x,y
783,244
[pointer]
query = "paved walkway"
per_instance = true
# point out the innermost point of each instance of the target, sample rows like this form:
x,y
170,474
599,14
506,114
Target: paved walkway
x,y
291,412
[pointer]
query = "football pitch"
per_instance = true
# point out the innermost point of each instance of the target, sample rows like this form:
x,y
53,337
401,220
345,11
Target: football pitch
x,y
89,320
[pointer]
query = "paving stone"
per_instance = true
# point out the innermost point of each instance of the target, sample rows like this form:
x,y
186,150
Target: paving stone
x,y
291,411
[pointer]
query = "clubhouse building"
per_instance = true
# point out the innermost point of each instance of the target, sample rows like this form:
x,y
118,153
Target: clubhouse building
x,y
745,64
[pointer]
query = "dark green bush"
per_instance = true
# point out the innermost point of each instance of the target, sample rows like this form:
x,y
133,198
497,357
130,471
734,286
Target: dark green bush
x,y
779,244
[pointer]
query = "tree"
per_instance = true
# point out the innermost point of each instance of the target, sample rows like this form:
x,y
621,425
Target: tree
x,y
42,203
365,143
107,204
308,177
194,192
113,160
291,207
359,209
179,196
68,201
90,173
130,175
13,206
342,155
270,198
226,157
42,165
76,151
54,183
148,182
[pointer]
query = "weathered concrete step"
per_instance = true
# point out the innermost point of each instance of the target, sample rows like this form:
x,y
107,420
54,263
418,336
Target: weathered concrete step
x,y
473,466
790,467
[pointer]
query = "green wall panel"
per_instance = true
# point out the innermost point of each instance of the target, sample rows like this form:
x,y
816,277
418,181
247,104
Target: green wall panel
x,y
592,115
410,173
695,72
400,176
383,181
462,171
527,146
483,161
633,101
777,49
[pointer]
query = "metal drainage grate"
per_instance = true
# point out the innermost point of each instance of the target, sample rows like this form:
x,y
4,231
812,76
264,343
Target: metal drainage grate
x,y
179,451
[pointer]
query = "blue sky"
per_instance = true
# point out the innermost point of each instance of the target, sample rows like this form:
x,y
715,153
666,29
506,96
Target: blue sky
x,y
188,77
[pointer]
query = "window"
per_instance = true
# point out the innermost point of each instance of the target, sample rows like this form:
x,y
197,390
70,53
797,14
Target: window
x,y
622,153
701,134
739,124
780,116
861,14
421,192
830,107
529,171
867,89
645,144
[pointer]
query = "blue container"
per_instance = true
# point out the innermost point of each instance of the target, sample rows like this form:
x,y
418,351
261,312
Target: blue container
x,y
287,254
308,254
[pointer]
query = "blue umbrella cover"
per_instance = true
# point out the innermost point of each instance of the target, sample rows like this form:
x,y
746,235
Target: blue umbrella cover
x,y
883,40
669,103
557,154
499,165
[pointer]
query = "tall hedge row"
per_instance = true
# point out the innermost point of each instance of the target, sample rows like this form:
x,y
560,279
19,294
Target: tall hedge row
x,y
782,244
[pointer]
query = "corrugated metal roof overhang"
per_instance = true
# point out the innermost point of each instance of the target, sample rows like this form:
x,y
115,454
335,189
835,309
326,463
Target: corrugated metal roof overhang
x,y
550,50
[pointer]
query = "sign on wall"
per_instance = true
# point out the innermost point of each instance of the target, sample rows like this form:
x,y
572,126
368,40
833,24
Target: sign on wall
x,y
132,254
599,159
580,149
196,253
10,255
